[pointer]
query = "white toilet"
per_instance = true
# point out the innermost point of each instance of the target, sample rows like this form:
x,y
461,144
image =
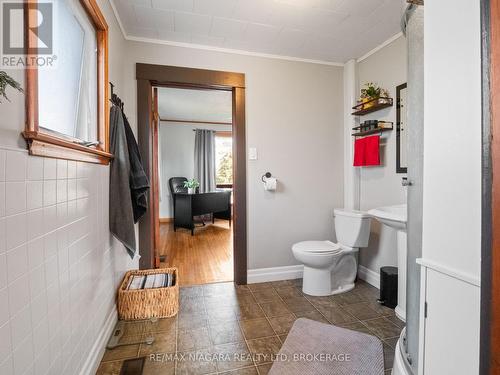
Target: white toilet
x,y
331,268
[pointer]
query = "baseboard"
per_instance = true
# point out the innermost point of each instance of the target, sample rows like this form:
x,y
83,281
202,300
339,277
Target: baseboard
x,y
261,275
166,219
93,360
371,277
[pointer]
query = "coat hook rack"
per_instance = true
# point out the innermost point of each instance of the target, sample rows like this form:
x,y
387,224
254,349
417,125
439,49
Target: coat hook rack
x,y
115,99
266,175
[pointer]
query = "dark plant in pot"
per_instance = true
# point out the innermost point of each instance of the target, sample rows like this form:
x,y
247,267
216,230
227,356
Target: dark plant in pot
x,y
6,81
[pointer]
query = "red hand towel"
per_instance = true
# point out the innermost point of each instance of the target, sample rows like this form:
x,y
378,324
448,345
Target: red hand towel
x,y
372,150
359,152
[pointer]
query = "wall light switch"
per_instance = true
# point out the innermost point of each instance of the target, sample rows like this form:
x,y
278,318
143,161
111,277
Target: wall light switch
x,y
252,153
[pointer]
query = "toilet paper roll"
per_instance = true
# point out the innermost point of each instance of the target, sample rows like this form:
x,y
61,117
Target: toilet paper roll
x,y
270,184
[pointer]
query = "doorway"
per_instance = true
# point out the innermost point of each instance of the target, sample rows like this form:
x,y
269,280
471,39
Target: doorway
x,y
150,79
195,145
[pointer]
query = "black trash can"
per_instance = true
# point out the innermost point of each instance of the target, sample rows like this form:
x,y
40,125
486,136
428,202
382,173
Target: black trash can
x,y
389,286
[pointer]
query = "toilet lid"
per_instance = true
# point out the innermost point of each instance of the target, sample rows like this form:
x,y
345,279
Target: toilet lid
x,y
317,247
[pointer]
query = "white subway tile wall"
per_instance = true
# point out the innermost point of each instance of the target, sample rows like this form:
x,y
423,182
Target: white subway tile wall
x,y
59,266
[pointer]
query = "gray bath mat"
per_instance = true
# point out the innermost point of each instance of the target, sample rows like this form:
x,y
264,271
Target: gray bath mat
x,y
323,349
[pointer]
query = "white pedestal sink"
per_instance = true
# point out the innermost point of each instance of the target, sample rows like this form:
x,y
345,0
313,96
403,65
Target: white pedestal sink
x,y
395,217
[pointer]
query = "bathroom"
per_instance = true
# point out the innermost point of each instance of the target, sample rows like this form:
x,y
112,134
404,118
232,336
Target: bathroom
x,y
59,264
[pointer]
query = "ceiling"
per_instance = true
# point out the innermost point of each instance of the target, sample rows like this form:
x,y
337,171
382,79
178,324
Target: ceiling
x,y
324,30
194,105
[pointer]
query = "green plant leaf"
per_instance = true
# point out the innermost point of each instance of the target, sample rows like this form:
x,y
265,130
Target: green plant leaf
x,y
5,81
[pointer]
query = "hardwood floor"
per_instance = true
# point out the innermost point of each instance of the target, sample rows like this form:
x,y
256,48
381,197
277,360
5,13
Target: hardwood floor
x,y
206,257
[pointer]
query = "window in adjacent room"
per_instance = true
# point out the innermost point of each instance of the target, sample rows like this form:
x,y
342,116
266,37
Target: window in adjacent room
x,y
224,159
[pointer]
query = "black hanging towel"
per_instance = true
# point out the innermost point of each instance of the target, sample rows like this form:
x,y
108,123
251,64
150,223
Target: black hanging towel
x,y
121,213
139,184
129,184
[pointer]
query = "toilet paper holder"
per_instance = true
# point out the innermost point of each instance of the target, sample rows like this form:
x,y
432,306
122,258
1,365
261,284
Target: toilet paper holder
x,y
266,175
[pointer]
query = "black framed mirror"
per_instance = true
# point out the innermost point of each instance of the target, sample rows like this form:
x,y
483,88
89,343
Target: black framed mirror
x,y
401,130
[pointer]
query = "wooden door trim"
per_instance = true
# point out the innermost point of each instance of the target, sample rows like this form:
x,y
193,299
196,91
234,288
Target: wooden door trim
x,y
149,76
200,78
490,248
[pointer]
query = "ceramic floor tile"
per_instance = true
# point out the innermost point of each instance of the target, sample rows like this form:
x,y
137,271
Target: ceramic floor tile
x,y
163,343
394,319
162,325
192,321
109,368
255,328
266,295
249,312
218,289
242,371
193,339
282,283
282,324
287,292
120,353
232,356
264,349
362,311
191,291
337,315
388,356
260,287
264,369
276,308
357,326
382,328
222,314
196,363
299,304
313,315
225,333
392,341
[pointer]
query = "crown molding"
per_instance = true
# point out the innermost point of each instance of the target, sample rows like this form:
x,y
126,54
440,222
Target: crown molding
x,y
231,51
379,47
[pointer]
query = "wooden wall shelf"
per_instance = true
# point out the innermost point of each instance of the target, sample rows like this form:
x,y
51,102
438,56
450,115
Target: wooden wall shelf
x,y
374,105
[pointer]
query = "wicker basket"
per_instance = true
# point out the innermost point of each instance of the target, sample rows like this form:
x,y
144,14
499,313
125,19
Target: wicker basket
x,y
139,304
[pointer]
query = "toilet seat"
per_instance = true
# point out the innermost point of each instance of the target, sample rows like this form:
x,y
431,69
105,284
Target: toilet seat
x,y
317,247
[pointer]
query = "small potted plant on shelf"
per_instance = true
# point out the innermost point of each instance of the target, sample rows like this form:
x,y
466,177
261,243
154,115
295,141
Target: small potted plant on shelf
x,y
191,185
371,91
6,80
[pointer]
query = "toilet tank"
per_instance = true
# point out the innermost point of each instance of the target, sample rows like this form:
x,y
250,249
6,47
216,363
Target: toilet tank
x,y
352,227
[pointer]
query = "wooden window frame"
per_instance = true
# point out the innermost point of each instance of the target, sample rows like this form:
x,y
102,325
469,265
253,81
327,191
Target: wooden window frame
x,y
45,143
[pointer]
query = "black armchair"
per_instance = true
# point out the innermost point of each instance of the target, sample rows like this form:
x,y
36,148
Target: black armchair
x,y
176,185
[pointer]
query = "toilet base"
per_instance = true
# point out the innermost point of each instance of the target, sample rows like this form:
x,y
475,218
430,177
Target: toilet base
x,y
336,279
317,282
344,289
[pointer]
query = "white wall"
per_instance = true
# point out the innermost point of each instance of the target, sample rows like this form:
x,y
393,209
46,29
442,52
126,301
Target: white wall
x,y
452,183
58,273
176,148
381,186
294,119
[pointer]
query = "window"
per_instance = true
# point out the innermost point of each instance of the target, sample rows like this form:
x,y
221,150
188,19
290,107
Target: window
x,y
224,159
67,102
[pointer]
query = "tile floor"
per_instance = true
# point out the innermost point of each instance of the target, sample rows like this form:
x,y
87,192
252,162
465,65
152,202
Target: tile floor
x,y
217,321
